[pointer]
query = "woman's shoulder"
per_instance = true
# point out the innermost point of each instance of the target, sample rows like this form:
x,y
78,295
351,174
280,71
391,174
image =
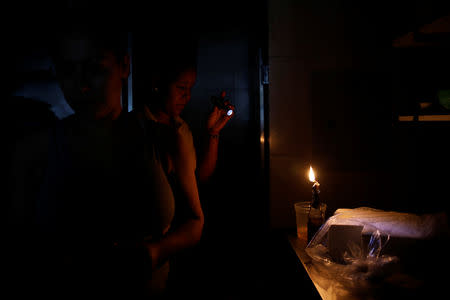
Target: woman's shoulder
x,y
182,126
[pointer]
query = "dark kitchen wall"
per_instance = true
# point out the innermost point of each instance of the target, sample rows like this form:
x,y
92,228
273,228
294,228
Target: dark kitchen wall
x,y
331,98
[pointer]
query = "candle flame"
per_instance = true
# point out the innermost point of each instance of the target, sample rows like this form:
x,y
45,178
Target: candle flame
x,y
312,178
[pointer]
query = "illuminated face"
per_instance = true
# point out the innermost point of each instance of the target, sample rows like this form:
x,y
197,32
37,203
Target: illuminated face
x,y
91,78
179,92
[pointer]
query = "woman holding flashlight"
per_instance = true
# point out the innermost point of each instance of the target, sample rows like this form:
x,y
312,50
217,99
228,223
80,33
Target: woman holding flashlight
x,y
171,92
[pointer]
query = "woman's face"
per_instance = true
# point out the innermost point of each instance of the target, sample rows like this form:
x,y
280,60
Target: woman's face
x,y
91,78
179,92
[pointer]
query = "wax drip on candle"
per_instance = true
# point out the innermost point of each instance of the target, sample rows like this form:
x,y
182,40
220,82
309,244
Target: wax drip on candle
x,y
315,195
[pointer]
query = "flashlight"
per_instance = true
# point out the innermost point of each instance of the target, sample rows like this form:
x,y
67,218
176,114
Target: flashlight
x,y
220,103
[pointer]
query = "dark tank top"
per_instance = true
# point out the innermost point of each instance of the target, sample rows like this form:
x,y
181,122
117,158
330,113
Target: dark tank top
x,y
101,189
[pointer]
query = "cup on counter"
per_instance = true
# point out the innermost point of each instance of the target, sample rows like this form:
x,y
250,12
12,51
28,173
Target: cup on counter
x,y
302,210
316,219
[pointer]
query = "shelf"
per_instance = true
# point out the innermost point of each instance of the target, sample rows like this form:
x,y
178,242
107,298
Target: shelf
x,y
434,34
424,118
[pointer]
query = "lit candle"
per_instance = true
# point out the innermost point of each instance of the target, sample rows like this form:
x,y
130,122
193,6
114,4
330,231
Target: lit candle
x,y
315,189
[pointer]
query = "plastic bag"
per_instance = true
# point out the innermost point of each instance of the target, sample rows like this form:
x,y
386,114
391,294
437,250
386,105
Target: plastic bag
x,y
348,257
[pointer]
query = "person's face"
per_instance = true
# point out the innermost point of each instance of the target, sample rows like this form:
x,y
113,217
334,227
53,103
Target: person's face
x,y
179,92
91,78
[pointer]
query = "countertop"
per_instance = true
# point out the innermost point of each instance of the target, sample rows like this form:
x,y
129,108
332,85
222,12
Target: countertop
x,y
299,246
391,282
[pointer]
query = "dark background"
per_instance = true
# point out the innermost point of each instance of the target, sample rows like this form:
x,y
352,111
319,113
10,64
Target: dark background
x,y
241,253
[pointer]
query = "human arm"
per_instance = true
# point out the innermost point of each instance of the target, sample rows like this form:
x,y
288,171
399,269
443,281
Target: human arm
x,y
188,232
208,157
185,236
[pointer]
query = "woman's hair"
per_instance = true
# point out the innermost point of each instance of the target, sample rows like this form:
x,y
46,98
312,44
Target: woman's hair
x,y
167,71
171,56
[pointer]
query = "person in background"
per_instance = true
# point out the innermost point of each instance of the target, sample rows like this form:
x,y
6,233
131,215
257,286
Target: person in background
x,y
90,192
171,81
172,78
